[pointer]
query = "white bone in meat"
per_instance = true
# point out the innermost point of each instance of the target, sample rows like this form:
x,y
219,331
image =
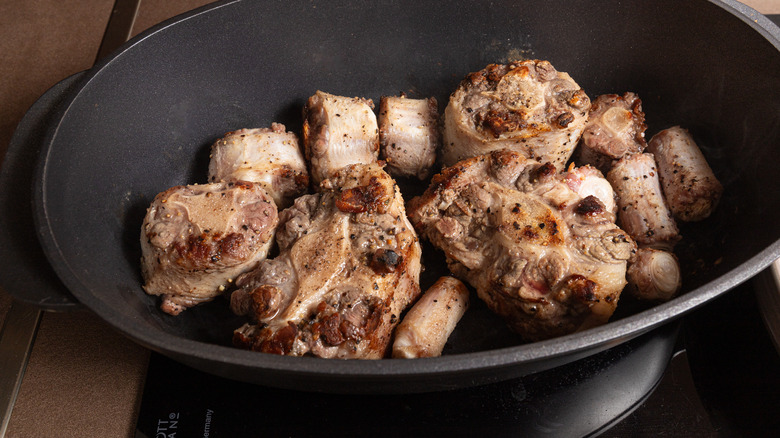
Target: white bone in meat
x,y
589,181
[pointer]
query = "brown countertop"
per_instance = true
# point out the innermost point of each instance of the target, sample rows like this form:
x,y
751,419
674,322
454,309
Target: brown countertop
x,y
83,378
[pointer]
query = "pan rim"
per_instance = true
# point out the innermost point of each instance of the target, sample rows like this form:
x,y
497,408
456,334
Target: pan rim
x,y
602,337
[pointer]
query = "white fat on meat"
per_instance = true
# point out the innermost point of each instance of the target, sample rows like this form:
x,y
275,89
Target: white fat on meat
x,y
338,131
542,256
654,275
425,328
691,189
642,209
270,157
409,135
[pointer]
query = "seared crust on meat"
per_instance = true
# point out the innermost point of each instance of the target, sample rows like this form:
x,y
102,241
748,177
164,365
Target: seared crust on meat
x,y
525,106
349,264
197,239
541,255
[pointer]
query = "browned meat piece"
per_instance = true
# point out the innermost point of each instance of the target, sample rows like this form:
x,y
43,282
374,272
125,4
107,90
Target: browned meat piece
x,y
349,265
425,328
654,275
691,189
642,209
338,131
525,106
269,157
197,239
616,127
546,259
409,135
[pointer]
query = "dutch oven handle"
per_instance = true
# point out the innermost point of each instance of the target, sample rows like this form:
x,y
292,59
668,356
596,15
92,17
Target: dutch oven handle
x,y
25,272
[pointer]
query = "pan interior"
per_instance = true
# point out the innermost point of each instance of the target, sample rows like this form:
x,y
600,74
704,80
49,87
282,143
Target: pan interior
x,y
145,118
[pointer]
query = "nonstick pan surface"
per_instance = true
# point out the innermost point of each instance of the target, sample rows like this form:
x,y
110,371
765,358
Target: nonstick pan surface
x,y
143,120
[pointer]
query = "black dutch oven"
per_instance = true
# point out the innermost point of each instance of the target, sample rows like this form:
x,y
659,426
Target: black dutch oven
x,y
99,145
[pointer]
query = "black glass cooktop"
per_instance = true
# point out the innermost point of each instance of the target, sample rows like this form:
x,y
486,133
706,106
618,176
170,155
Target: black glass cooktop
x,y
724,380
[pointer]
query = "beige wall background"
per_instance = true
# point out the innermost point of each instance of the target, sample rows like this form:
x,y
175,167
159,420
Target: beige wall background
x,y
764,6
